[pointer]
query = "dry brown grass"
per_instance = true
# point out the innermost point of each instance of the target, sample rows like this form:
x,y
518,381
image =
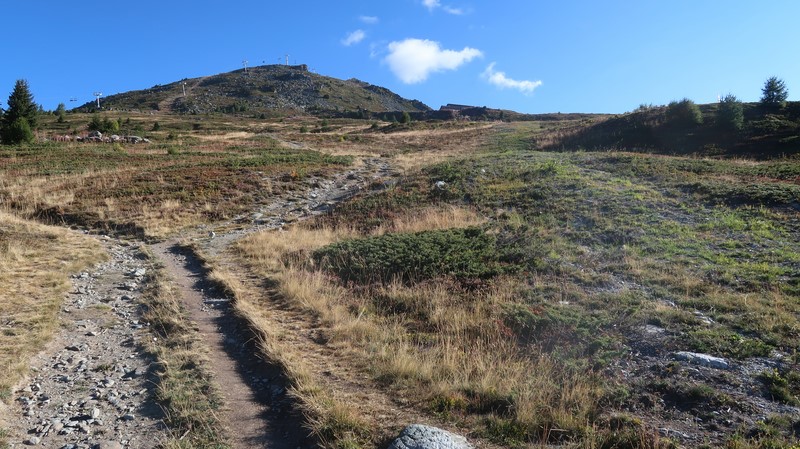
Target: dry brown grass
x,y
459,357
431,218
419,145
333,420
35,264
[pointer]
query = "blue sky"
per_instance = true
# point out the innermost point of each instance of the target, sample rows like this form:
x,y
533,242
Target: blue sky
x,y
525,55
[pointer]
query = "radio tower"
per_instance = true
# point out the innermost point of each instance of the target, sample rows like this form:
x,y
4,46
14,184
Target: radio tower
x,y
98,95
244,63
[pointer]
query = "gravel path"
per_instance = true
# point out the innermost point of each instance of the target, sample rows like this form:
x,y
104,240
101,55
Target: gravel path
x,y
92,387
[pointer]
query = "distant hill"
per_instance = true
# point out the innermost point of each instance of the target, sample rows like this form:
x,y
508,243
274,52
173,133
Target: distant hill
x,y
766,133
262,90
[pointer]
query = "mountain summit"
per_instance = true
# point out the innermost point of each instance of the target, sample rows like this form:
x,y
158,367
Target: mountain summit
x,y
262,89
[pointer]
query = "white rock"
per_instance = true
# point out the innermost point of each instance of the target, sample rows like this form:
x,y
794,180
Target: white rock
x,y
702,359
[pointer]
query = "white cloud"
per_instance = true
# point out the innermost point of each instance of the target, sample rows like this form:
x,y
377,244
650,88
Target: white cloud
x,y
413,60
500,80
354,38
369,20
435,4
453,11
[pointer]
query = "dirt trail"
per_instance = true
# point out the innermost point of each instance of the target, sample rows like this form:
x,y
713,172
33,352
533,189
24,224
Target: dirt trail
x,y
256,410
165,105
92,387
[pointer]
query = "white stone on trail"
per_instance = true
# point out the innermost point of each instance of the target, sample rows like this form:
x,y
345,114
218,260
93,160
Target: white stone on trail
x,y
418,436
702,359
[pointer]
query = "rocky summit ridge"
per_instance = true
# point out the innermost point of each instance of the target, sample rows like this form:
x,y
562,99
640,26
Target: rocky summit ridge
x,y
263,89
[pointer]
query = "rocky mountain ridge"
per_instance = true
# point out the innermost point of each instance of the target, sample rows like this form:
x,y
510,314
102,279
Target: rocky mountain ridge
x,y
265,90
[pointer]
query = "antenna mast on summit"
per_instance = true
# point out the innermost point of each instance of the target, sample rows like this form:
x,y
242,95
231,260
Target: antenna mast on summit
x,y
244,63
98,95
287,59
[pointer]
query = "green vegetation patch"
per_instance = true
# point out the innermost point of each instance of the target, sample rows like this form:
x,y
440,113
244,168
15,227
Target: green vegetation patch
x,y
461,253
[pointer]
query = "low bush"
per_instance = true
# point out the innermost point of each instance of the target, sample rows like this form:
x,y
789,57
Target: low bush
x,y
461,253
780,387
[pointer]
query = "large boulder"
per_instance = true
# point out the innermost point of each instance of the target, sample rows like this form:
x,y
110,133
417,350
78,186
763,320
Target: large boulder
x,y
418,436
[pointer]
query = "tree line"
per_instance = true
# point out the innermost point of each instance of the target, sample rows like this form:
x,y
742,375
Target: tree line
x,y
730,112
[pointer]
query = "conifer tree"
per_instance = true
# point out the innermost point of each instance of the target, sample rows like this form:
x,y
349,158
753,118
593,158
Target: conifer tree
x,y
22,114
731,113
774,92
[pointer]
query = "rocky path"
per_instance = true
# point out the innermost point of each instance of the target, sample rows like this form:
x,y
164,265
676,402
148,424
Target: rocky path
x,y
92,387
320,195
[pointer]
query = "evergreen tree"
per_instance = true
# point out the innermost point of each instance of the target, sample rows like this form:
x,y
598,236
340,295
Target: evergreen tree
x,y
774,92
20,117
731,113
21,104
60,111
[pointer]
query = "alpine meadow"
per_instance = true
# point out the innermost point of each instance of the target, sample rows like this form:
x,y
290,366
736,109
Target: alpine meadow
x,y
273,257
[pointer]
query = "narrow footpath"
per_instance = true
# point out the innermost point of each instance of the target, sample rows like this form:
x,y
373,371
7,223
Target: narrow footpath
x,y
93,386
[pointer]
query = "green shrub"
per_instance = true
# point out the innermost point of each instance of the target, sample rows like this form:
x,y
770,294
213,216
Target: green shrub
x,y
782,388
18,132
725,343
772,123
462,253
731,113
684,113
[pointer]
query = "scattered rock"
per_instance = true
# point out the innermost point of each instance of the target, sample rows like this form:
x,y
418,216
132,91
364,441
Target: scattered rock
x,y
79,388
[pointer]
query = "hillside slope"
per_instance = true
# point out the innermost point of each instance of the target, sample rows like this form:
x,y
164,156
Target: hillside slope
x,y
262,89
765,133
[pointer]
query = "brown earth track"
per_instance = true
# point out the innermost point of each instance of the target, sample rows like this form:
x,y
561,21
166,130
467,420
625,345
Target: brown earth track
x,y
257,411
165,105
